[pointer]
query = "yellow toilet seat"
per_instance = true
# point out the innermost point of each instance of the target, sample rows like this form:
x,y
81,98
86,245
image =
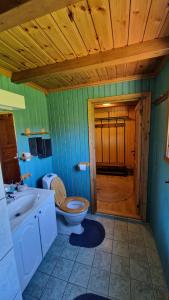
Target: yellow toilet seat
x,y
64,205
62,201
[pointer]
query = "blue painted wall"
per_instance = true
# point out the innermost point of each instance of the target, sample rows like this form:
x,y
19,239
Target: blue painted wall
x,y
35,116
69,130
159,171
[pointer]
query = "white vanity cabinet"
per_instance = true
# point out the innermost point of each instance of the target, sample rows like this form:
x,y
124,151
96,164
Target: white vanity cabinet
x,y
27,247
32,239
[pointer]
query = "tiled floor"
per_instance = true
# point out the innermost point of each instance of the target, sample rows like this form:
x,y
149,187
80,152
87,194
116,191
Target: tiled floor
x,y
126,266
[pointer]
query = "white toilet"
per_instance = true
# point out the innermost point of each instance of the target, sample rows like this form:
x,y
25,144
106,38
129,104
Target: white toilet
x,y
71,211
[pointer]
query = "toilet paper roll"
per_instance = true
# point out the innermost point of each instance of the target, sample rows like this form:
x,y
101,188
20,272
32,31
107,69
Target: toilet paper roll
x,y
26,156
82,166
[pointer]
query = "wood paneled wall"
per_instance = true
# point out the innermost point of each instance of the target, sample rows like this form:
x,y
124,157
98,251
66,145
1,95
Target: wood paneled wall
x,y
115,145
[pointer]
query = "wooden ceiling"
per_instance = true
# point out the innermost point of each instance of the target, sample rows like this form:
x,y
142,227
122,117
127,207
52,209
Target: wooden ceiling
x,y
87,28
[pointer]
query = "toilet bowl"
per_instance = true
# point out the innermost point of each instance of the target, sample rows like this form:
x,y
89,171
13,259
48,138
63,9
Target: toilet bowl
x,y
70,211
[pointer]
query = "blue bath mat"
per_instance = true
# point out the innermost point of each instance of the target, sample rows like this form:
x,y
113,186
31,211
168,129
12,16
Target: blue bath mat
x,y
90,297
92,236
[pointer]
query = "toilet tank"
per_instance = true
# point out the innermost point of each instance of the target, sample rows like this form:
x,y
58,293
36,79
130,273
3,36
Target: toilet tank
x,y
47,179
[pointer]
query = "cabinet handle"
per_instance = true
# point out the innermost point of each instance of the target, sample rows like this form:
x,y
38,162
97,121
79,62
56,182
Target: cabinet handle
x,y
40,212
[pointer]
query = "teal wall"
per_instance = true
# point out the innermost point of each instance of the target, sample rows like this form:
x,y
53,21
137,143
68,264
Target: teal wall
x,y
69,130
35,116
159,171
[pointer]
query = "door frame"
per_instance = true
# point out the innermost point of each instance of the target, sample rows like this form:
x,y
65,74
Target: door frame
x,y
145,156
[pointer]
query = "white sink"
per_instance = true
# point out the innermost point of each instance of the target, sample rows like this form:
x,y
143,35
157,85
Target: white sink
x,y
22,204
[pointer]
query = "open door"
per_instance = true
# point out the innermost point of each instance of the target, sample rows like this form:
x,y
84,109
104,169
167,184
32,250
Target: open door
x,y
142,111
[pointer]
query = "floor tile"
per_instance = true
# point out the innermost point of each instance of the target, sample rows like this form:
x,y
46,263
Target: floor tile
x,y
135,227
63,268
161,293
140,271
120,265
36,285
80,274
99,281
137,252
120,235
106,245
120,248
119,287
85,256
141,291
102,260
150,243
136,238
153,257
120,224
70,252
48,263
54,289
72,291
157,276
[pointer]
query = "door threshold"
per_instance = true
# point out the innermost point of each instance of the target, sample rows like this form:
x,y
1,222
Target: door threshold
x,y
118,214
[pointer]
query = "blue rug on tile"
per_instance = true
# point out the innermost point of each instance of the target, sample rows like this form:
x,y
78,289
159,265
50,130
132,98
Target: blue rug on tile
x,y
90,297
92,236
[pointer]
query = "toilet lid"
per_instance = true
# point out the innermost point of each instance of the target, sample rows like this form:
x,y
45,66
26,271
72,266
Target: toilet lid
x,y
60,192
75,205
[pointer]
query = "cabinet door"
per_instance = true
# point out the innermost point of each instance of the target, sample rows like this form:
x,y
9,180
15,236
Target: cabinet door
x,y
9,283
27,248
5,231
47,224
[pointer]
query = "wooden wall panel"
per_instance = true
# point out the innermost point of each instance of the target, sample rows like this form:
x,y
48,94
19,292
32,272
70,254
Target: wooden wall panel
x,y
69,129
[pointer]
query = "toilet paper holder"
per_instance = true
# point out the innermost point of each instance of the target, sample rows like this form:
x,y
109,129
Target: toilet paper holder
x,y
83,165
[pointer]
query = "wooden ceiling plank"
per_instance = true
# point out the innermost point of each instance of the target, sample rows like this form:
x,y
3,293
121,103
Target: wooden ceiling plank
x,y
10,53
140,51
111,71
49,26
7,66
101,18
34,30
13,43
120,21
165,28
130,68
158,12
20,34
102,73
30,10
121,70
139,12
84,23
65,22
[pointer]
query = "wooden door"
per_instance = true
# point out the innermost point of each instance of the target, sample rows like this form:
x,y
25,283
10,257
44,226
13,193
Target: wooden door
x,y
8,149
143,109
47,224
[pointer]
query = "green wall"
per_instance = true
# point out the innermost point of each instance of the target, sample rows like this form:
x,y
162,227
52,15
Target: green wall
x,y
69,130
159,171
35,116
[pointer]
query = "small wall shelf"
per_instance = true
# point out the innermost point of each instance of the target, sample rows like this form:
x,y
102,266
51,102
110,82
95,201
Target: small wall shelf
x,y
35,133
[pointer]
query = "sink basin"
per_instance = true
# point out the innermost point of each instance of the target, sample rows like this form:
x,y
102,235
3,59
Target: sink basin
x,y
22,204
